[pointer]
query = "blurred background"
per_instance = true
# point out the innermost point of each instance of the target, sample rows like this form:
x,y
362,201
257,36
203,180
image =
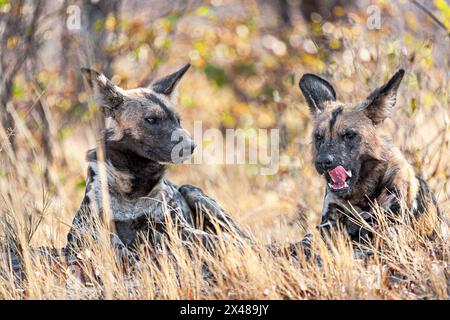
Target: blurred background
x,y
247,59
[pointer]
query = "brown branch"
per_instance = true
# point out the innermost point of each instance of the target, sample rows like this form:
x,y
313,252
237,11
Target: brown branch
x,y
432,16
12,28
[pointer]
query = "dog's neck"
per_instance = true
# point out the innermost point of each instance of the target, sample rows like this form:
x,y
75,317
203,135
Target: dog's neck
x,y
129,174
376,176
371,181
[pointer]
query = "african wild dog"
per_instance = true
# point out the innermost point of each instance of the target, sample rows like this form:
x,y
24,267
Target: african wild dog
x,y
360,165
142,137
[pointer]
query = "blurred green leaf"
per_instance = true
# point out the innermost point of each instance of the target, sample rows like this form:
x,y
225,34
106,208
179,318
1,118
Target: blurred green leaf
x,y
228,120
443,6
173,17
17,91
135,53
246,69
216,74
99,25
81,184
63,133
203,11
412,107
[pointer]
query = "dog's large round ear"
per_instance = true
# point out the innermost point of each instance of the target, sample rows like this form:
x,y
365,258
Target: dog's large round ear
x,y
316,91
380,103
168,84
107,95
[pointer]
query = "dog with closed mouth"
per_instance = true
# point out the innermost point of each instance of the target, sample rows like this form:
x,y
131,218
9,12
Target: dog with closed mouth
x,y
360,166
144,135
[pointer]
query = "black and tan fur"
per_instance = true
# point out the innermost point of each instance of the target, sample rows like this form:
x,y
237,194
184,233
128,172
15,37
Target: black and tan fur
x,y
348,135
138,143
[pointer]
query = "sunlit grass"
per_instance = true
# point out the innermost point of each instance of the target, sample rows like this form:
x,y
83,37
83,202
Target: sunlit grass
x,y
273,209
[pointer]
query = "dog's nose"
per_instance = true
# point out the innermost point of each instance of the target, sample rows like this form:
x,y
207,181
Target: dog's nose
x,y
325,161
193,145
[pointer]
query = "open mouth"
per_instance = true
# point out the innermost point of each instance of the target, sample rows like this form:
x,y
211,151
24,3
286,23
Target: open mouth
x,y
339,178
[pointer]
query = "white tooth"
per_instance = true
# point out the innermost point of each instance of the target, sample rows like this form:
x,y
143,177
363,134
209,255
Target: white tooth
x,y
346,184
349,173
330,185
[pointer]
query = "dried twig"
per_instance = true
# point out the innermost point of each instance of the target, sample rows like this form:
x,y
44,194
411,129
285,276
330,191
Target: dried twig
x,y
432,16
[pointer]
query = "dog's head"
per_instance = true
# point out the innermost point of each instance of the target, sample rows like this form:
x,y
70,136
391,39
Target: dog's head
x,y
144,120
345,135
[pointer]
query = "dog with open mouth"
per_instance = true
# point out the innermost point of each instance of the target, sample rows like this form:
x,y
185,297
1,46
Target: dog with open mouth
x,y
360,165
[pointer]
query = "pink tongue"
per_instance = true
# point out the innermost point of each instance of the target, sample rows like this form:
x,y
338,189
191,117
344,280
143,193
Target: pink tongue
x,y
338,175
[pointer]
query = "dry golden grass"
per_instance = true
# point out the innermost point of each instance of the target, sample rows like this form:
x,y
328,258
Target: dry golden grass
x,y
274,209
409,266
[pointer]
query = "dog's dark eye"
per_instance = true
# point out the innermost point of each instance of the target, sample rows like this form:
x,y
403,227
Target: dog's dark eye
x,y
151,120
349,135
318,137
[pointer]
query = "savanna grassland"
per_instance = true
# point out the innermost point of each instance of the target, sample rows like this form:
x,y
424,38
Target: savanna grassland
x,y
246,64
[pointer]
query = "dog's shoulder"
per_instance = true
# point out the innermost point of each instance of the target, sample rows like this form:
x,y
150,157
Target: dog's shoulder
x,y
400,176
